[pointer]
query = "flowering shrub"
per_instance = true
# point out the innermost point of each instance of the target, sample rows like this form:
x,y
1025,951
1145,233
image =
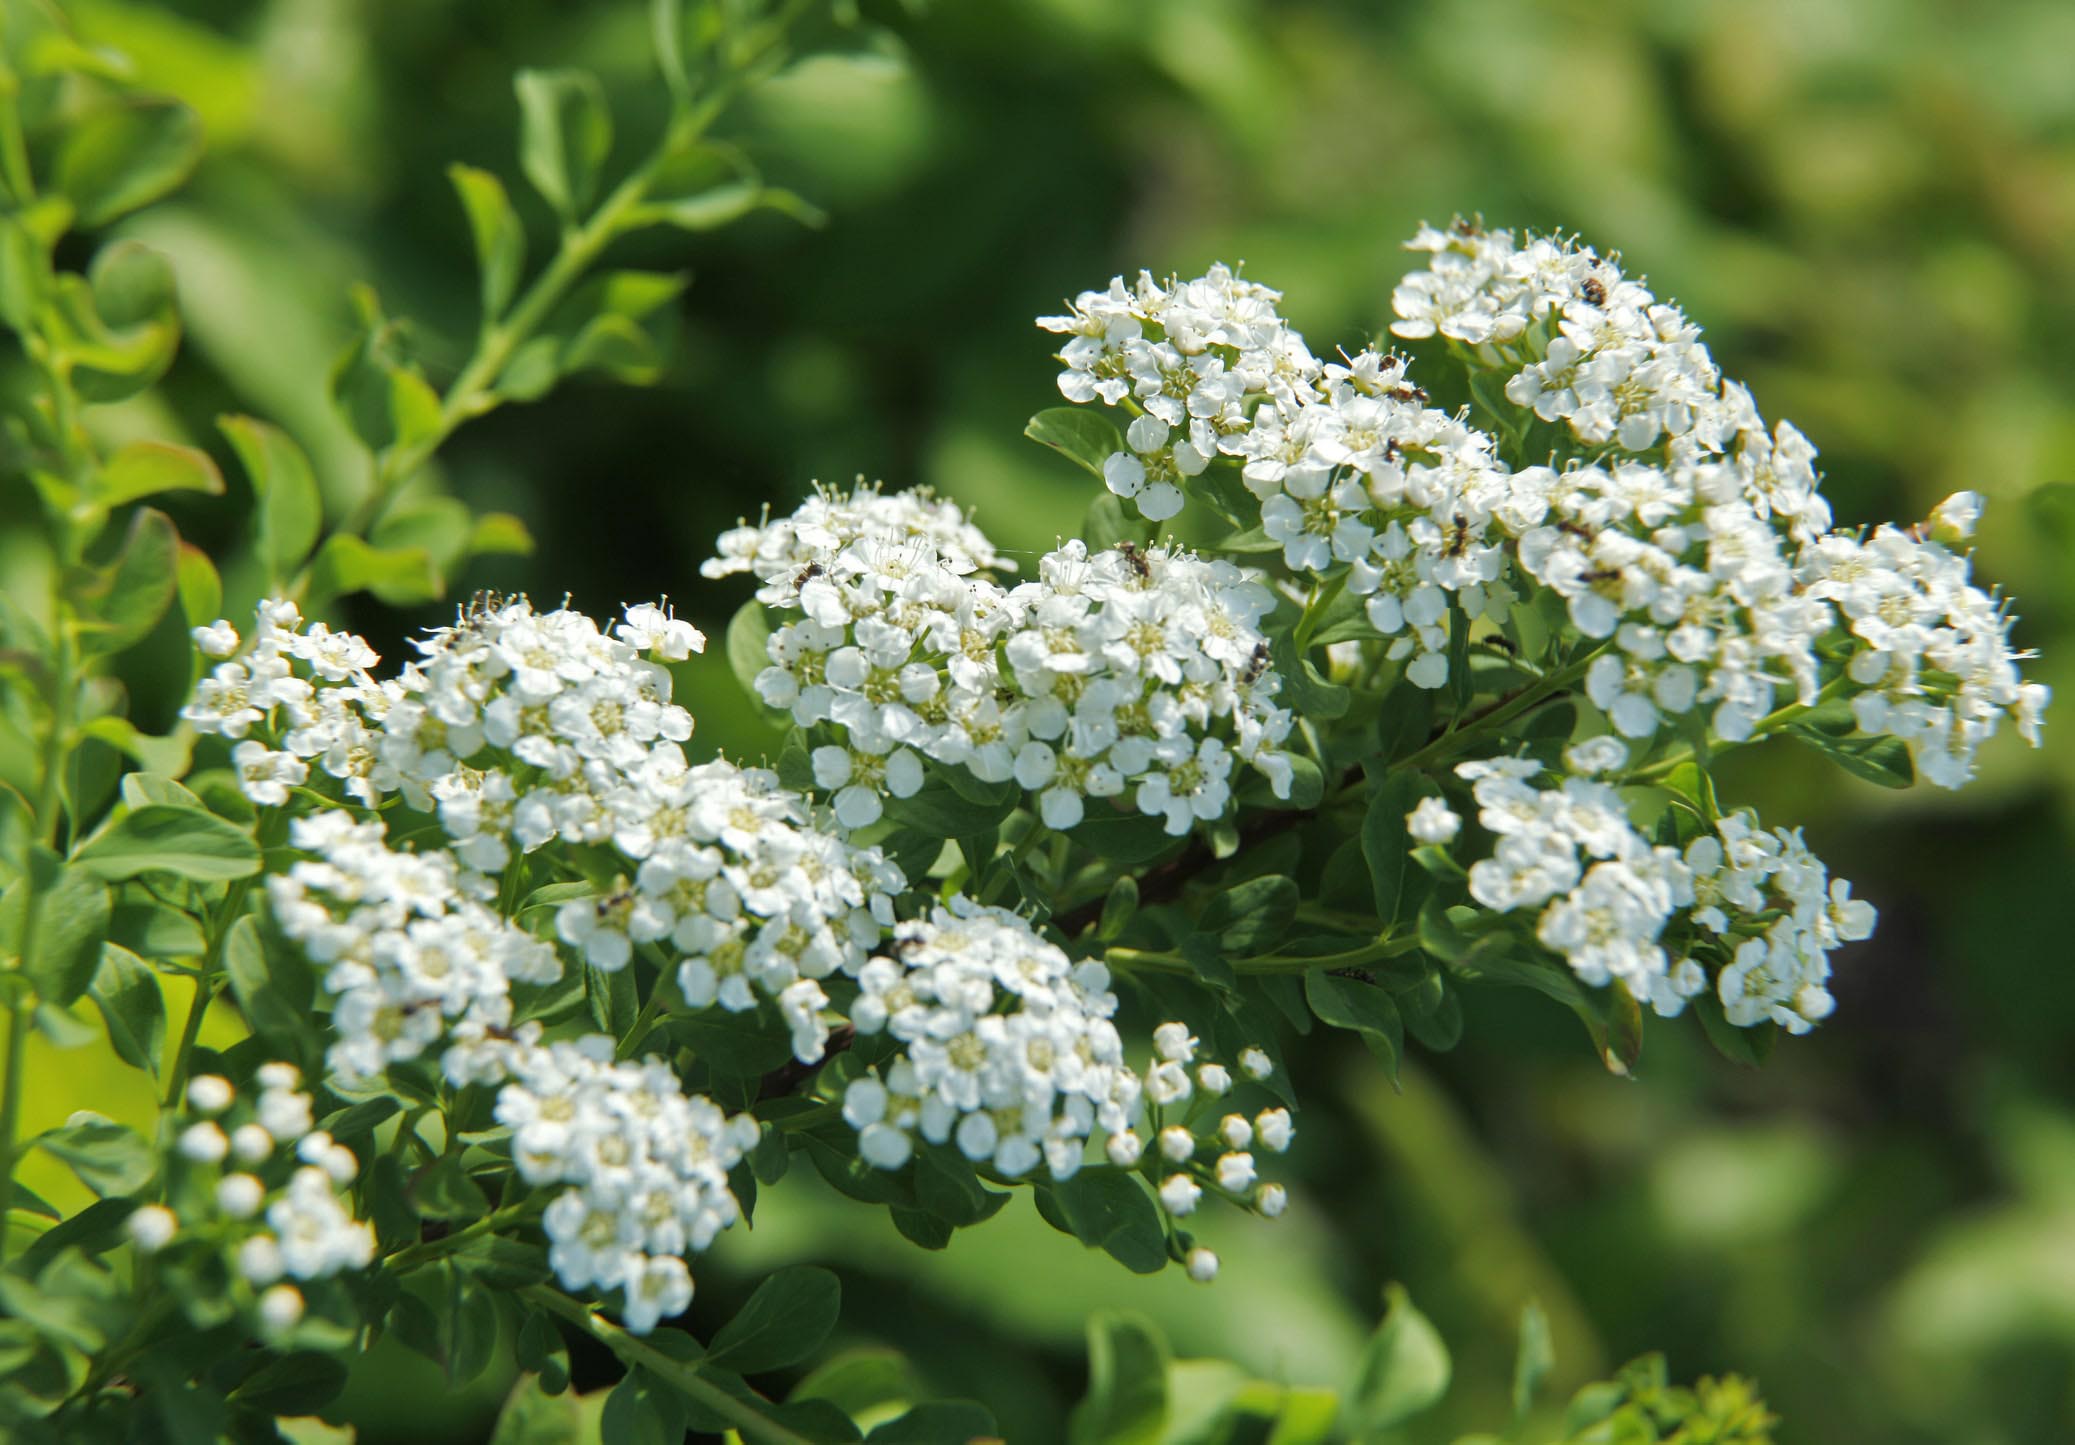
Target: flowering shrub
x,y
1048,873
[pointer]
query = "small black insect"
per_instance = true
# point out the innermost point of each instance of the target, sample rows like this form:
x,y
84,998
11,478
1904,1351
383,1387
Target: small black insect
x,y
1594,291
1136,558
1255,665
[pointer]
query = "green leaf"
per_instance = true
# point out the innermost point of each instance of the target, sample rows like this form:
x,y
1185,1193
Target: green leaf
x,y
168,838
1882,760
1118,908
1348,1002
937,1422
500,238
71,909
146,468
400,576
440,527
127,993
1308,693
138,588
200,589
1126,1403
500,534
123,156
274,994
1404,1370
618,323
565,134
1083,436
1386,845
117,325
1108,1209
722,205
111,1159
1110,520
749,634
642,1410
543,1354
784,1322
1252,917
381,396
1747,1046
25,275
290,510
1533,1361
292,1384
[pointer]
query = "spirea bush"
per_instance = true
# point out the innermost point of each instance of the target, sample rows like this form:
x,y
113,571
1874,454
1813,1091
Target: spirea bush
x,y
535,1005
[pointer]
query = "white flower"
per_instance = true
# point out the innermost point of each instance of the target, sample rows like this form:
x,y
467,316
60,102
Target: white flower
x,y
1216,1079
259,1259
265,776
152,1227
1124,1148
1202,1265
1255,1063
1273,1130
280,1308
1179,1194
1177,1144
219,639
1174,1042
239,1195
204,1143
209,1093
652,628
1235,1172
1271,1200
1433,822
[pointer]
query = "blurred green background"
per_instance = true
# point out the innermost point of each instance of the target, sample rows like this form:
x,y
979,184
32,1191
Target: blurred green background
x,y
1869,204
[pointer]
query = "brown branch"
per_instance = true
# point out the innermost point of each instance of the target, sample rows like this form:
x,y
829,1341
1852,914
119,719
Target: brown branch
x,y
789,1076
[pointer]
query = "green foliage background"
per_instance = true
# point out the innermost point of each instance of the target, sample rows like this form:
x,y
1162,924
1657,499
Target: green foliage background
x,y
1870,204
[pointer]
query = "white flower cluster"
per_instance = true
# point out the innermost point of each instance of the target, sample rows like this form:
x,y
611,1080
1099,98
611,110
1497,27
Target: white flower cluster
x,y
1608,899
1008,1048
1706,553
1009,1054
404,943
520,728
263,1183
648,1165
1351,466
416,962
784,554
1128,671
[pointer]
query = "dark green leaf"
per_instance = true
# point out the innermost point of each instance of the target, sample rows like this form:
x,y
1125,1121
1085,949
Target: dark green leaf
x,y
1110,1210
1252,917
126,992
938,1422
1386,845
1346,1001
294,1384
784,1322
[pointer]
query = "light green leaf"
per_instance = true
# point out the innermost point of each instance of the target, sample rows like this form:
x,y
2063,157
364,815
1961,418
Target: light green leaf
x,y
138,587
1534,1360
1404,1370
1085,436
165,838
1126,1403
146,468
400,576
500,534
70,910
565,134
123,156
500,238
291,511
110,1158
